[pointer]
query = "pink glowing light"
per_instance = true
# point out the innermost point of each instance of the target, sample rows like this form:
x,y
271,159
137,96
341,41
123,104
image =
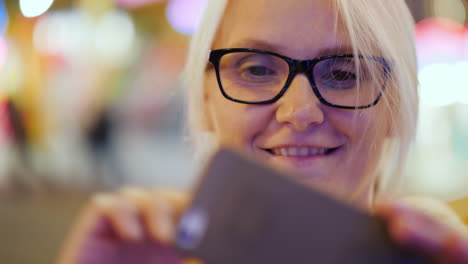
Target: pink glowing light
x,y
136,3
442,47
184,15
466,42
3,52
440,40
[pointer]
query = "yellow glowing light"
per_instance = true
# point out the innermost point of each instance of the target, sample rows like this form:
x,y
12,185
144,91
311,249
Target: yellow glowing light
x,y
111,48
453,9
33,8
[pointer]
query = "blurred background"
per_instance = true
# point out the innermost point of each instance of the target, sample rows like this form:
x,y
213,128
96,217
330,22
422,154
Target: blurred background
x,y
89,100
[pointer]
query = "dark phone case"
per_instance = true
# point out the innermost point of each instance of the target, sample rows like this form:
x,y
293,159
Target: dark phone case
x,y
244,213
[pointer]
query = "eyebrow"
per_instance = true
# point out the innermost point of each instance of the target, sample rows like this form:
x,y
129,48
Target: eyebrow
x,y
263,45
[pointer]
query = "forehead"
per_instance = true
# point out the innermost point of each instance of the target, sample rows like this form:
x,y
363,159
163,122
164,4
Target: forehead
x,y
298,28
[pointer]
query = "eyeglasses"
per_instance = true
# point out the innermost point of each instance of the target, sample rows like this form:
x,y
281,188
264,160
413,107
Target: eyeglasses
x,y
346,81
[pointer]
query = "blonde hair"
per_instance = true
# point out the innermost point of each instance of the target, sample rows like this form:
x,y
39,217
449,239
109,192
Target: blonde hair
x,y
377,25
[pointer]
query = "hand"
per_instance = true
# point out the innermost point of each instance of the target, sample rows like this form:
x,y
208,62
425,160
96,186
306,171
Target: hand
x,y
132,226
433,230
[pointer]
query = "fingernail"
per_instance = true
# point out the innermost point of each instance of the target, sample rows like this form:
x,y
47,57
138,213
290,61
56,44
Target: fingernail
x,y
103,199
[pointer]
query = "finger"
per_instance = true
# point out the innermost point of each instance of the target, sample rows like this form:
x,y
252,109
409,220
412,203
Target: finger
x,y
178,199
171,204
389,209
420,232
159,210
103,216
147,206
121,215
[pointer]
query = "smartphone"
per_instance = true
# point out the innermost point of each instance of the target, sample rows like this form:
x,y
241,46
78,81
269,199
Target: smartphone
x,y
245,212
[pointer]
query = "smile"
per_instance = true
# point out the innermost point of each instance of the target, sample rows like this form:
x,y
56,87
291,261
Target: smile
x,y
301,151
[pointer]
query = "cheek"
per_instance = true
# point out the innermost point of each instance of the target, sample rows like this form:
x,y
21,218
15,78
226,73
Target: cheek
x,y
362,126
234,124
365,131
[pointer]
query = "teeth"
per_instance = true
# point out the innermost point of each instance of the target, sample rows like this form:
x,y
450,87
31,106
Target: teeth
x,y
314,151
304,151
293,151
284,152
298,151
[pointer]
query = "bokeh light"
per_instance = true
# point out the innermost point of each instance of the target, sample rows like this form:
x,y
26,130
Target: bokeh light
x,y
136,3
111,48
184,15
12,72
443,83
443,65
3,18
452,9
465,48
430,47
33,8
3,52
77,36
63,33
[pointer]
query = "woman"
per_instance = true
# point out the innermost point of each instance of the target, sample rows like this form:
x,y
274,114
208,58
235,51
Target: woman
x,y
324,89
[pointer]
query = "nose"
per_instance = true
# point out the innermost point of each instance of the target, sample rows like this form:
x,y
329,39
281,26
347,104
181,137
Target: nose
x,y
299,106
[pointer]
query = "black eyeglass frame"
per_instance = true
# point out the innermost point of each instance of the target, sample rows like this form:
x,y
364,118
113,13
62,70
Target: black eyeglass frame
x,y
295,67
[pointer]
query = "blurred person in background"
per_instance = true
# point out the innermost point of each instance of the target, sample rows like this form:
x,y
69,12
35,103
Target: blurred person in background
x,y
99,138
18,172
326,90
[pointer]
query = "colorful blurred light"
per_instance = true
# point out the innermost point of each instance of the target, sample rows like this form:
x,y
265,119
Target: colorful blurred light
x,y
465,48
184,15
442,48
3,18
3,52
136,3
439,40
452,9
12,73
76,36
63,33
444,83
111,48
33,8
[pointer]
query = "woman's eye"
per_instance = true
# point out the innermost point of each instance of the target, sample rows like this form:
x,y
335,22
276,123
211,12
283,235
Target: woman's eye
x,y
341,76
258,71
339,80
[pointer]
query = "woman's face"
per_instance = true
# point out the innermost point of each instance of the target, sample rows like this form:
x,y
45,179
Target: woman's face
x,y
295,132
